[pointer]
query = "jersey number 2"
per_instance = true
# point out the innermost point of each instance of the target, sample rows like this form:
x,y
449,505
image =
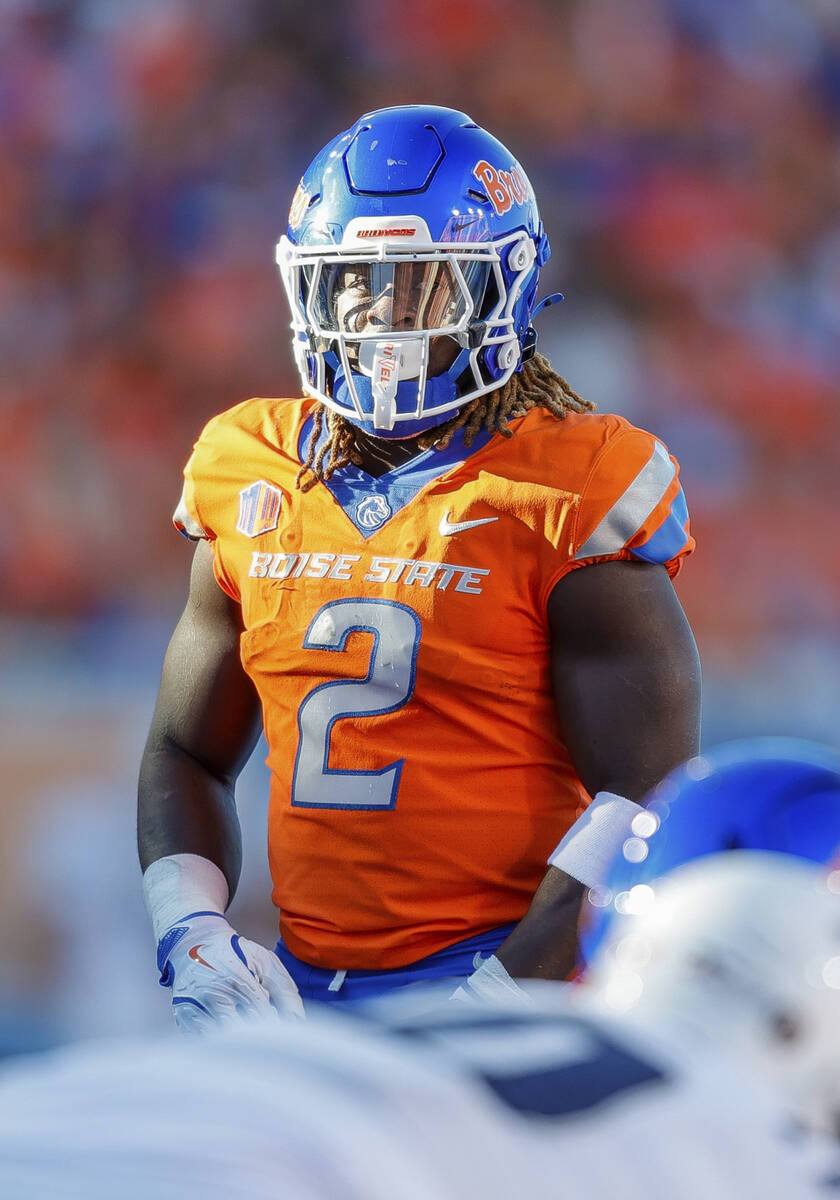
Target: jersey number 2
x,y
388,685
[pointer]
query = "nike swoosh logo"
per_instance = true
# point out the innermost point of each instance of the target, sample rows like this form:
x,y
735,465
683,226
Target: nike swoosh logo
x,y
447,527
196,957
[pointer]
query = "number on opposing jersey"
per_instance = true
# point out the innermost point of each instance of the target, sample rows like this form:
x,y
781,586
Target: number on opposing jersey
x,y
388,685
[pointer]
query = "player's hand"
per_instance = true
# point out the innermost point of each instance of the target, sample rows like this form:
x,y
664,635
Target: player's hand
x,y
491,984
217,977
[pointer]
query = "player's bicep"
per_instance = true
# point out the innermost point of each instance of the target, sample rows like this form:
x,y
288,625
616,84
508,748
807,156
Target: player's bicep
x,y
207,705
626,675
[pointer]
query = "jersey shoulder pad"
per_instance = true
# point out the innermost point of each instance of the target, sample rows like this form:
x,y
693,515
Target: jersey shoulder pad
x,y
632,504
271,421
228,440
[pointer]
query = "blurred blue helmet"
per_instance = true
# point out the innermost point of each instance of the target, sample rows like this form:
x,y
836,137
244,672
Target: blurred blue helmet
x,y
413,227
765,793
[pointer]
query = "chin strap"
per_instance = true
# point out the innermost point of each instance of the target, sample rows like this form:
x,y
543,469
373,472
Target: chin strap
x,y
439,390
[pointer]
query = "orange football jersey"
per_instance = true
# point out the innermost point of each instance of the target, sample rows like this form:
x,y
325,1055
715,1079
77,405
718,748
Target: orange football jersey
x,y
397,637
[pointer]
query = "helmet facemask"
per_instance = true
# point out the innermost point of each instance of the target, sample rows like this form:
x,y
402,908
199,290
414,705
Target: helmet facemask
x,y
398,338
434,224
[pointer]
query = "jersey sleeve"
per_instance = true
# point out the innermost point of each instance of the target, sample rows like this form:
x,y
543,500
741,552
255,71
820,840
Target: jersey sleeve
x,y
196,514
632,506
184,518
190,517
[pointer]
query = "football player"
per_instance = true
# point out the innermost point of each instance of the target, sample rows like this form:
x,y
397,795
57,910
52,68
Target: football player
x,y
763,793
490,1102
442,586
737,953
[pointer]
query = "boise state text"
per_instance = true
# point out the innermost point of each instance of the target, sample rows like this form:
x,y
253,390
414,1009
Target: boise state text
x,y
408,572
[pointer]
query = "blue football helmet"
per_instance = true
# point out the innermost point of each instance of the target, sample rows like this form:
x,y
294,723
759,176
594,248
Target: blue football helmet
x,y
765,793
411,263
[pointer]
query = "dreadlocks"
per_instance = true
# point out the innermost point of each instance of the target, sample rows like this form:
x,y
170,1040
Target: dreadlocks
x,y
537,385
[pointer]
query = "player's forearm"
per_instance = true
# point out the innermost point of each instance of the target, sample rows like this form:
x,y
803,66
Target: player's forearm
x,y
544,944
183,808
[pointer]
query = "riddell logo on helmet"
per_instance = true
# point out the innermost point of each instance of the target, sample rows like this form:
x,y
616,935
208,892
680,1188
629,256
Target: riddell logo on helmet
x,y
366,233
387,363
505,188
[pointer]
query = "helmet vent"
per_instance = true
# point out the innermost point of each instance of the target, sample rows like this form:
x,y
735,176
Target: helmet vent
x,y
479,196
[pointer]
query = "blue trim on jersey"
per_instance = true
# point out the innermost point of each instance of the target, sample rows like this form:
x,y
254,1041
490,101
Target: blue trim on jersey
x,y
353,488
669,538
455,963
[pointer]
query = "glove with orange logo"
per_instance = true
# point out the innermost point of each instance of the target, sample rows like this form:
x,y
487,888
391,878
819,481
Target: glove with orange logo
x,y
215,975
218,976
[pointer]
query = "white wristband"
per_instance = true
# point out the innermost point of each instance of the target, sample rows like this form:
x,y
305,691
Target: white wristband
x,y
591,845
490,983
180,884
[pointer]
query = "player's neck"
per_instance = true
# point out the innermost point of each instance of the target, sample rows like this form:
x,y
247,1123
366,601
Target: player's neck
x,y
380,455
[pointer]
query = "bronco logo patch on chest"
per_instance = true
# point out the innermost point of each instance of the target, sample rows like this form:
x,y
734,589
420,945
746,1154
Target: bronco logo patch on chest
x,y
259,508
372,512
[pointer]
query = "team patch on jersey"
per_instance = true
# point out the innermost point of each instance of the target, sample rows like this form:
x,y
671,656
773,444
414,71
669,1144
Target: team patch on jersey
x,y
259,508
372,512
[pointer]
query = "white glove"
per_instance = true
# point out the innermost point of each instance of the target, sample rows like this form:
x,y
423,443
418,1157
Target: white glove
x,y
491,984
216,976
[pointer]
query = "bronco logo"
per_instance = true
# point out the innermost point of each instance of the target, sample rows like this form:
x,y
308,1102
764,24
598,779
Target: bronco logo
x,y
372,511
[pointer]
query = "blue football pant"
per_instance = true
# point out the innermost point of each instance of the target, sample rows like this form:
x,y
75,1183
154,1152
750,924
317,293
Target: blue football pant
x,y
453,965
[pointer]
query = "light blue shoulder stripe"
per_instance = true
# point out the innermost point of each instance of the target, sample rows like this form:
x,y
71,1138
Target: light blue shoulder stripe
x,y
670,538
632,509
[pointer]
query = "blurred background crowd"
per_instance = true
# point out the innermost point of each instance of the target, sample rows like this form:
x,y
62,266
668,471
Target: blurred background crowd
x,y
686,158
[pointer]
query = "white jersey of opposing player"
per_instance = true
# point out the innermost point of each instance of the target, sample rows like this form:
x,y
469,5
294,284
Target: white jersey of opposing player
x,y
474,1103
